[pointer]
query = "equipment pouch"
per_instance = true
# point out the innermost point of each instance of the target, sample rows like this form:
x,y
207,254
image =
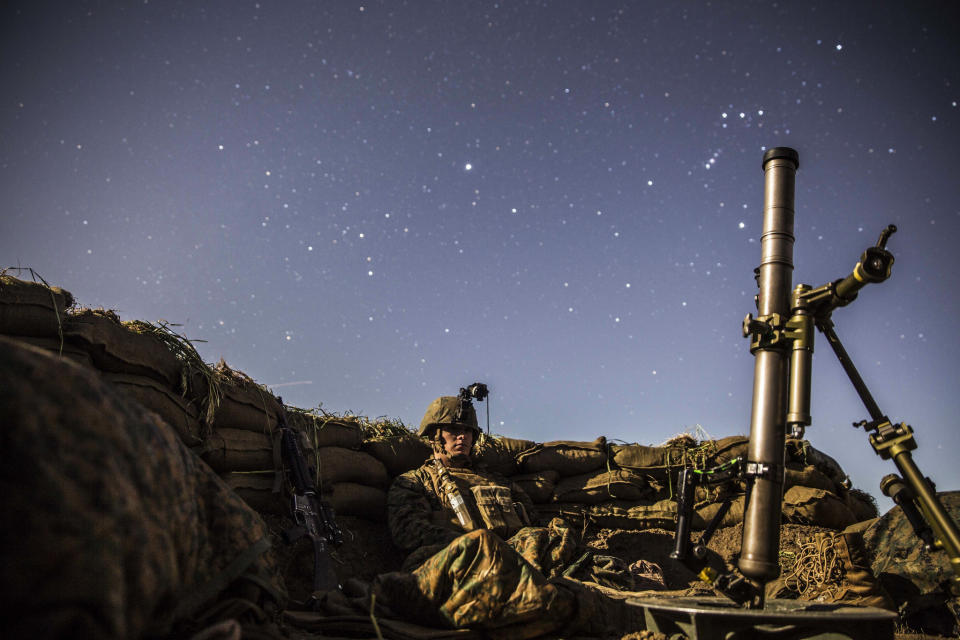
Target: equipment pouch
x,y
452,492
496,507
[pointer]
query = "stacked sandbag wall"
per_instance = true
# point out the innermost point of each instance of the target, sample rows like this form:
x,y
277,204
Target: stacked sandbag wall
x,y
33,312
351,480
232,422
634,486
220,413
134,360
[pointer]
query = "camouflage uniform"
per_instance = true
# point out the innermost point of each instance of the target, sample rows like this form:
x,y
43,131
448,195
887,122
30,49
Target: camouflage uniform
x,y
915,578
112,527
422,521
511,585
479,581
512,589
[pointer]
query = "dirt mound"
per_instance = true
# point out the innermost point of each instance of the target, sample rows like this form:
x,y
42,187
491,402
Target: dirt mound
x,y
656,545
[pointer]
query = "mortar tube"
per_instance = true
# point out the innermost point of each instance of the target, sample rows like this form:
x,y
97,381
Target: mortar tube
x,y
760,546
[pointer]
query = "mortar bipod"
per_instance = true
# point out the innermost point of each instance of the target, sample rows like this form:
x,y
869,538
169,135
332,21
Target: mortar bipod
x,y
891,441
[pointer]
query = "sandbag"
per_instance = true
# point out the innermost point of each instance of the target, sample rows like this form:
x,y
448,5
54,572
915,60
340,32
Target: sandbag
x,y
805,505
539,486
338,432
659,515
801,451
256,489
656,461
346,465
516,446
111,525
398,454
638,456
327,431
733,516
166,403
568,458
352,499
243,403
862,504
115,348
60,348
662,463
830,467
594,488
499,454
797,475
726,449
31,308
239,450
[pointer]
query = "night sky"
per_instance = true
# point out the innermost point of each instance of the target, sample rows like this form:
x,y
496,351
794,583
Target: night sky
x,y
366,205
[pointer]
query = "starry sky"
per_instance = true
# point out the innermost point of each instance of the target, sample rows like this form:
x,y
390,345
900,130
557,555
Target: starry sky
x,y
369,204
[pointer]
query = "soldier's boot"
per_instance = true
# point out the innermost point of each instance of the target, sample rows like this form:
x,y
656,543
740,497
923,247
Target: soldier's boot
x,y
859,585
356,588
358,593
397,594
352,599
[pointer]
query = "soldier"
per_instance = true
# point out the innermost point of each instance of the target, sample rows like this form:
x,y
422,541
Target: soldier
x,y
476,560
450,495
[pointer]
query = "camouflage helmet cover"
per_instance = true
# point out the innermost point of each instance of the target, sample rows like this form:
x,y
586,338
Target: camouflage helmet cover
x,y
446,410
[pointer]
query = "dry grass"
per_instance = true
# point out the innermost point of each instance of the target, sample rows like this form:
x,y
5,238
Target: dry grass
x,y
379,427
195,371
100,312
383,426
68,300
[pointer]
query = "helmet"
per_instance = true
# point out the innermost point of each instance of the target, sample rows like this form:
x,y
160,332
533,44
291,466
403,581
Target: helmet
x,y
449,410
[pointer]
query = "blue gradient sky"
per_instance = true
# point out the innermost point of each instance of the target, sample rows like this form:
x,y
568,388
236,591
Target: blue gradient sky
x,y
375,203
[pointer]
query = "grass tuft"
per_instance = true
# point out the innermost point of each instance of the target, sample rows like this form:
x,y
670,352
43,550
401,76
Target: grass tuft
x,y
196,376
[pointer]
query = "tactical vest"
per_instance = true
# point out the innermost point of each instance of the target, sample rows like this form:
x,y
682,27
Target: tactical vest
x,y
472,501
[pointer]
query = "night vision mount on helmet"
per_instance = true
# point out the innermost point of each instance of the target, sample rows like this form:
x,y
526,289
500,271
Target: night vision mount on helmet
x,y
456,411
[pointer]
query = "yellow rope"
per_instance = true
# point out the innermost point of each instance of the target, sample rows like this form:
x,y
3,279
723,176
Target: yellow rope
x,y
817,569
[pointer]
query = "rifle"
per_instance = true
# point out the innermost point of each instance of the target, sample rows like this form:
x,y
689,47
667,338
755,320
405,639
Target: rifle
x,y
314,517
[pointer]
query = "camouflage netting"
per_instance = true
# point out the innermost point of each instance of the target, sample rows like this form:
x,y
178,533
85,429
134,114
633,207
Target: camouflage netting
x,y
622,495
915,578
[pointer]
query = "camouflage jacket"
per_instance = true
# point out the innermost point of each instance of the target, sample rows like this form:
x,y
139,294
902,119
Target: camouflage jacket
x,y
419,512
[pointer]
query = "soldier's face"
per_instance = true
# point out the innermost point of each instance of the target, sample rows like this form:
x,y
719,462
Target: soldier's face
x,y
456,441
